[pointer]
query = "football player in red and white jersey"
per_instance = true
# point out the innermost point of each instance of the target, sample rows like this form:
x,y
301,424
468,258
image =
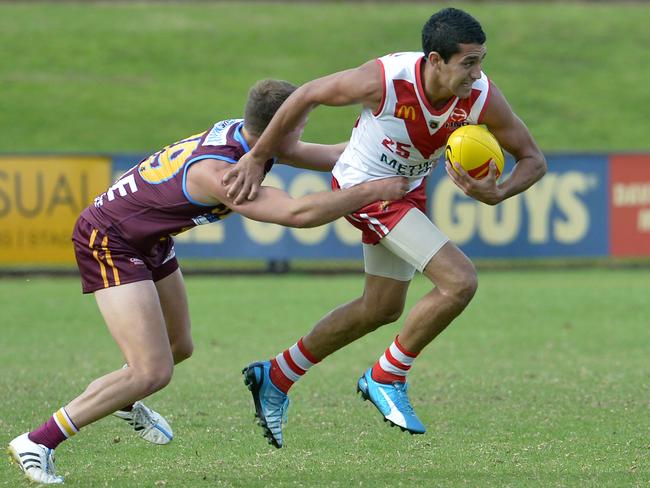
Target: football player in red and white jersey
x,y
411,102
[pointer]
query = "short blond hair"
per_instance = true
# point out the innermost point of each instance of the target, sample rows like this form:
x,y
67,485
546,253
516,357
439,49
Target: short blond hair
x,y
264,99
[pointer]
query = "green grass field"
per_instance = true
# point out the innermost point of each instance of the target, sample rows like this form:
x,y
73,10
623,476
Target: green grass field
x,y
136,76
542,382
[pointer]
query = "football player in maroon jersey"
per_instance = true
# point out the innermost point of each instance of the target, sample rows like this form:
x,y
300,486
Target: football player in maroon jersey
x,y
125,253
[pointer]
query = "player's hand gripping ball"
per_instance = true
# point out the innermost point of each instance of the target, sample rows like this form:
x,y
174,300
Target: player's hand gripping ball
x,y
473,147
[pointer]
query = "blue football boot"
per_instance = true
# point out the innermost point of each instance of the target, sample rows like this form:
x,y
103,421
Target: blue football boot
x,y
392,401
271,403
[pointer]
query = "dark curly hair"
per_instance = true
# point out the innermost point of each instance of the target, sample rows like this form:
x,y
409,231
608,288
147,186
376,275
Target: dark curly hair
x,y
448,28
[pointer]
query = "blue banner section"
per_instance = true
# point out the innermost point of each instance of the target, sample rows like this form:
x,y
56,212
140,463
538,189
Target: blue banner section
x,y
564,214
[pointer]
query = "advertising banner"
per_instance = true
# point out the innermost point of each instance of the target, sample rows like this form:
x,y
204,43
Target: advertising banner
x,y
40,200
586,205
629,193
565,214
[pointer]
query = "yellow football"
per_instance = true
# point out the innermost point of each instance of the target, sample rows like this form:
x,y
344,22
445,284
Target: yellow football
x,y
473,146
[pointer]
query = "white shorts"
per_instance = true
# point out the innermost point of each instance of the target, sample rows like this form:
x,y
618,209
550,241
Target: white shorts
x,y
410,245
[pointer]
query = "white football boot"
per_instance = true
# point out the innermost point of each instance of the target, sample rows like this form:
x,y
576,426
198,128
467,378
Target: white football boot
x,y
35,460
149,424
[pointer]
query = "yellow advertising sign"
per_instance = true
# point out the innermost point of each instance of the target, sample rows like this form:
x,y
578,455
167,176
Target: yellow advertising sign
x,y
40,200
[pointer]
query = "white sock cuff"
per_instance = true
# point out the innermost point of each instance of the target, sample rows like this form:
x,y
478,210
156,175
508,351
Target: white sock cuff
x,y
65,423
400,356
286,369
389,367
299,358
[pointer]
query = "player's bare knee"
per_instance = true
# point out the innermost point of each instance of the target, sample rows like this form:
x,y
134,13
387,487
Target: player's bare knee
x,y
150,380
182,351
462,289
159,380
468,288
378,315
390,315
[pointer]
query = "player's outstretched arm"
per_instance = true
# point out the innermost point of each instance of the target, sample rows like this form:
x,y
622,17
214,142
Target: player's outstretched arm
x,y
317,157
360,85
278,207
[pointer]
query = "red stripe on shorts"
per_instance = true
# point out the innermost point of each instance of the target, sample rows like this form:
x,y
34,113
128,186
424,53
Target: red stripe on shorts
x,y
379,218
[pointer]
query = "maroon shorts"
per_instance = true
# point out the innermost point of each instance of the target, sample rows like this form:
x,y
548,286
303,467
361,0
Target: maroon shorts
x,y
106,259
378,219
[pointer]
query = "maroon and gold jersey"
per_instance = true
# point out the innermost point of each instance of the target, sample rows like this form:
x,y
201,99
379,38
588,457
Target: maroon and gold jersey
x,y
150,201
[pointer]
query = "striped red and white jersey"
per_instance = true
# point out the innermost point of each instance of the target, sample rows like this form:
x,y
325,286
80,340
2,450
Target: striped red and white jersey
x,y
406,135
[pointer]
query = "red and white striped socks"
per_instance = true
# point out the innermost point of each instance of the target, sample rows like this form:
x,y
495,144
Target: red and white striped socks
x,y
393,364
290,365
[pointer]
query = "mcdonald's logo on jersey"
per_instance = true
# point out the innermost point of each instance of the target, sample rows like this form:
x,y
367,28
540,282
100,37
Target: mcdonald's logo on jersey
x,y
406,112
